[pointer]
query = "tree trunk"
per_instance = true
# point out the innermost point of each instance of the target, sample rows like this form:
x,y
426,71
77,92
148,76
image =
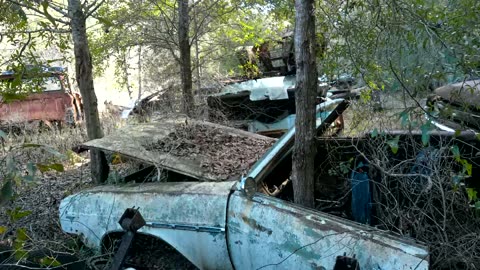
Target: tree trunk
x,y
305,94
125,71
139,72
83,69
185,57
197,52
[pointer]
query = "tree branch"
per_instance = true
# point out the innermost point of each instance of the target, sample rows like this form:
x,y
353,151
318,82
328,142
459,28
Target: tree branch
x,y
36,10
93,7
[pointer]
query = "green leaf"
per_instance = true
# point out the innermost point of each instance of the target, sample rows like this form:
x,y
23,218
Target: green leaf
x,y
455,151
22,235
18,245
10,164
18,214
31,170
374,133
393,143
20,254
477,205
404,118
425,135
50,167
47,15
19,11
468,167
105,21
44,147
472,194
49,262
6,193
457,133
3,229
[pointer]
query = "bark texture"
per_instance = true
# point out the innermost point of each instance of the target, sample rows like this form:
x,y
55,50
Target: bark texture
x,y
305,94
185,57
84,76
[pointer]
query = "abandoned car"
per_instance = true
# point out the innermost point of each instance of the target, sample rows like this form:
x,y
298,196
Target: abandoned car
x,y
455,106
41,94
238,216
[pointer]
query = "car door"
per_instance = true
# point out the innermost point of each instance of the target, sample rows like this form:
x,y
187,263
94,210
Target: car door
x,y
268,233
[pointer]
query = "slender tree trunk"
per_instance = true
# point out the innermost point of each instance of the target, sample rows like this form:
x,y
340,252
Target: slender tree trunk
x,y
125,71
305,94
197,53
185,57
84,76
139,72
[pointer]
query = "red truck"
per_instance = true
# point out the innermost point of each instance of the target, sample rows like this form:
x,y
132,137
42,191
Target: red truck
x,y
51,101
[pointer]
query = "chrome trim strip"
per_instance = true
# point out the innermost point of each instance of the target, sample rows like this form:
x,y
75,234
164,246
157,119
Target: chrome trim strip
x,y
184,227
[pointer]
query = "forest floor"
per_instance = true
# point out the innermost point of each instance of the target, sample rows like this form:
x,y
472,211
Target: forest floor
x,y
32,214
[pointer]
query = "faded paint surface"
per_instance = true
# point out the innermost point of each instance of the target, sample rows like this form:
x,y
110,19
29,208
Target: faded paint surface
x,y
262,232
60,105
267,233
130,141
50,106
273,88
190,216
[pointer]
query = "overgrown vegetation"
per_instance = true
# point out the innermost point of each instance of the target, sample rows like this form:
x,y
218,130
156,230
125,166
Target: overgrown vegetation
x,y
403,49
38,168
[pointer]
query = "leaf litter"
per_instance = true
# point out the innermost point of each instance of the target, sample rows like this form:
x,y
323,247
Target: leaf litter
x,y
222,154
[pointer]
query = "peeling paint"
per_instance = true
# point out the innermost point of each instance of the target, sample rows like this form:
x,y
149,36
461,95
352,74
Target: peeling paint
x,y
302,238
255,226
196,232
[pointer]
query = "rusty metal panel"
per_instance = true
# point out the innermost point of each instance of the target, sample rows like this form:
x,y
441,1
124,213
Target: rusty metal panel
x,y
50,106
131,140
267,233
55,103
190,216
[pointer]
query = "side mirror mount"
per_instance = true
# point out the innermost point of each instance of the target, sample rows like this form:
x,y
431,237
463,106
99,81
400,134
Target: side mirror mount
x,y
248,187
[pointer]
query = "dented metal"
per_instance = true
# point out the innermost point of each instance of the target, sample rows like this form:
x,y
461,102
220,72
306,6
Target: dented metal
x,y
268,233
226,225
173,211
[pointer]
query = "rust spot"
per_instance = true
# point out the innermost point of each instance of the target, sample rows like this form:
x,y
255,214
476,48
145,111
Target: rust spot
x,y
57,103
254,225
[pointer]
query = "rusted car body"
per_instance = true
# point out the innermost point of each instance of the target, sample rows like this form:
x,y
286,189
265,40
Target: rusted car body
x,y
53,102
230,224
266,106
455,106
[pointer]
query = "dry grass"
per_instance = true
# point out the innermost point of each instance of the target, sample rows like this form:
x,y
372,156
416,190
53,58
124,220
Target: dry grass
x,y
42,196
